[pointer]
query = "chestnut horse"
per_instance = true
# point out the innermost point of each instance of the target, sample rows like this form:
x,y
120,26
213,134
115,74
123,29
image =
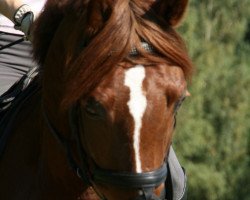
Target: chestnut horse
x,y
112,75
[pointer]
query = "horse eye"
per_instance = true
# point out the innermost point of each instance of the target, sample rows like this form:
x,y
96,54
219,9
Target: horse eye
x,y
94,109
179,103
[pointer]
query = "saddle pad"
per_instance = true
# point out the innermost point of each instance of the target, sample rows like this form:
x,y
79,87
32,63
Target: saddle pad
x,y
9,114
177,178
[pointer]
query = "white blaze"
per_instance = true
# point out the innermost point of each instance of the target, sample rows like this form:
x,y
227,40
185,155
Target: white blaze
x,y
137,105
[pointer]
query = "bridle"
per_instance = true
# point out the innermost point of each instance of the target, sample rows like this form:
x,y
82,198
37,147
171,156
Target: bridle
x,y
146,182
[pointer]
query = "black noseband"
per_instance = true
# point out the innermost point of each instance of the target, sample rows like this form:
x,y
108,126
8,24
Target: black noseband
x,y
133,180
146,182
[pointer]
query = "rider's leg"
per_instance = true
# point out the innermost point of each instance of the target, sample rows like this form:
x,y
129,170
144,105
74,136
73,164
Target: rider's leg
x,y
15,61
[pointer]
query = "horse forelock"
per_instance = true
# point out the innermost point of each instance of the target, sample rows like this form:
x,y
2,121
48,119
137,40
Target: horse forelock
x,y
112,27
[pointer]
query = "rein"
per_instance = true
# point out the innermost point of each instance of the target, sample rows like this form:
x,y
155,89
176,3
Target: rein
x,y
146,181
12,43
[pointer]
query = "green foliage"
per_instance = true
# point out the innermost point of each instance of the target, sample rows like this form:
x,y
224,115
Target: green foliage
x,y
212,138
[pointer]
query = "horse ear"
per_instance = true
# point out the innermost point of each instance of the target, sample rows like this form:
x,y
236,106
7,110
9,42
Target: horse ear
x,y
172,10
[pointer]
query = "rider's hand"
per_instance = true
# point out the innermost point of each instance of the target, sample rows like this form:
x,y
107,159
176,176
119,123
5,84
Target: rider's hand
x,y
23,19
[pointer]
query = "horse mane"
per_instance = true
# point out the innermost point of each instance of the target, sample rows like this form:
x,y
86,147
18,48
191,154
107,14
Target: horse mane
x,y
48,22
111,29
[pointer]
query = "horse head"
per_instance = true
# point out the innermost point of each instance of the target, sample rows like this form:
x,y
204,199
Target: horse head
x,y
121,103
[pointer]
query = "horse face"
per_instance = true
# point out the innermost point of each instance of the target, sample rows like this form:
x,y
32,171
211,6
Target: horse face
x,y
128,120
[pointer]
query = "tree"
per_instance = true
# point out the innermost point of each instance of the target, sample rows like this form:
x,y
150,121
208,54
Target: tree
x,y
212,137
